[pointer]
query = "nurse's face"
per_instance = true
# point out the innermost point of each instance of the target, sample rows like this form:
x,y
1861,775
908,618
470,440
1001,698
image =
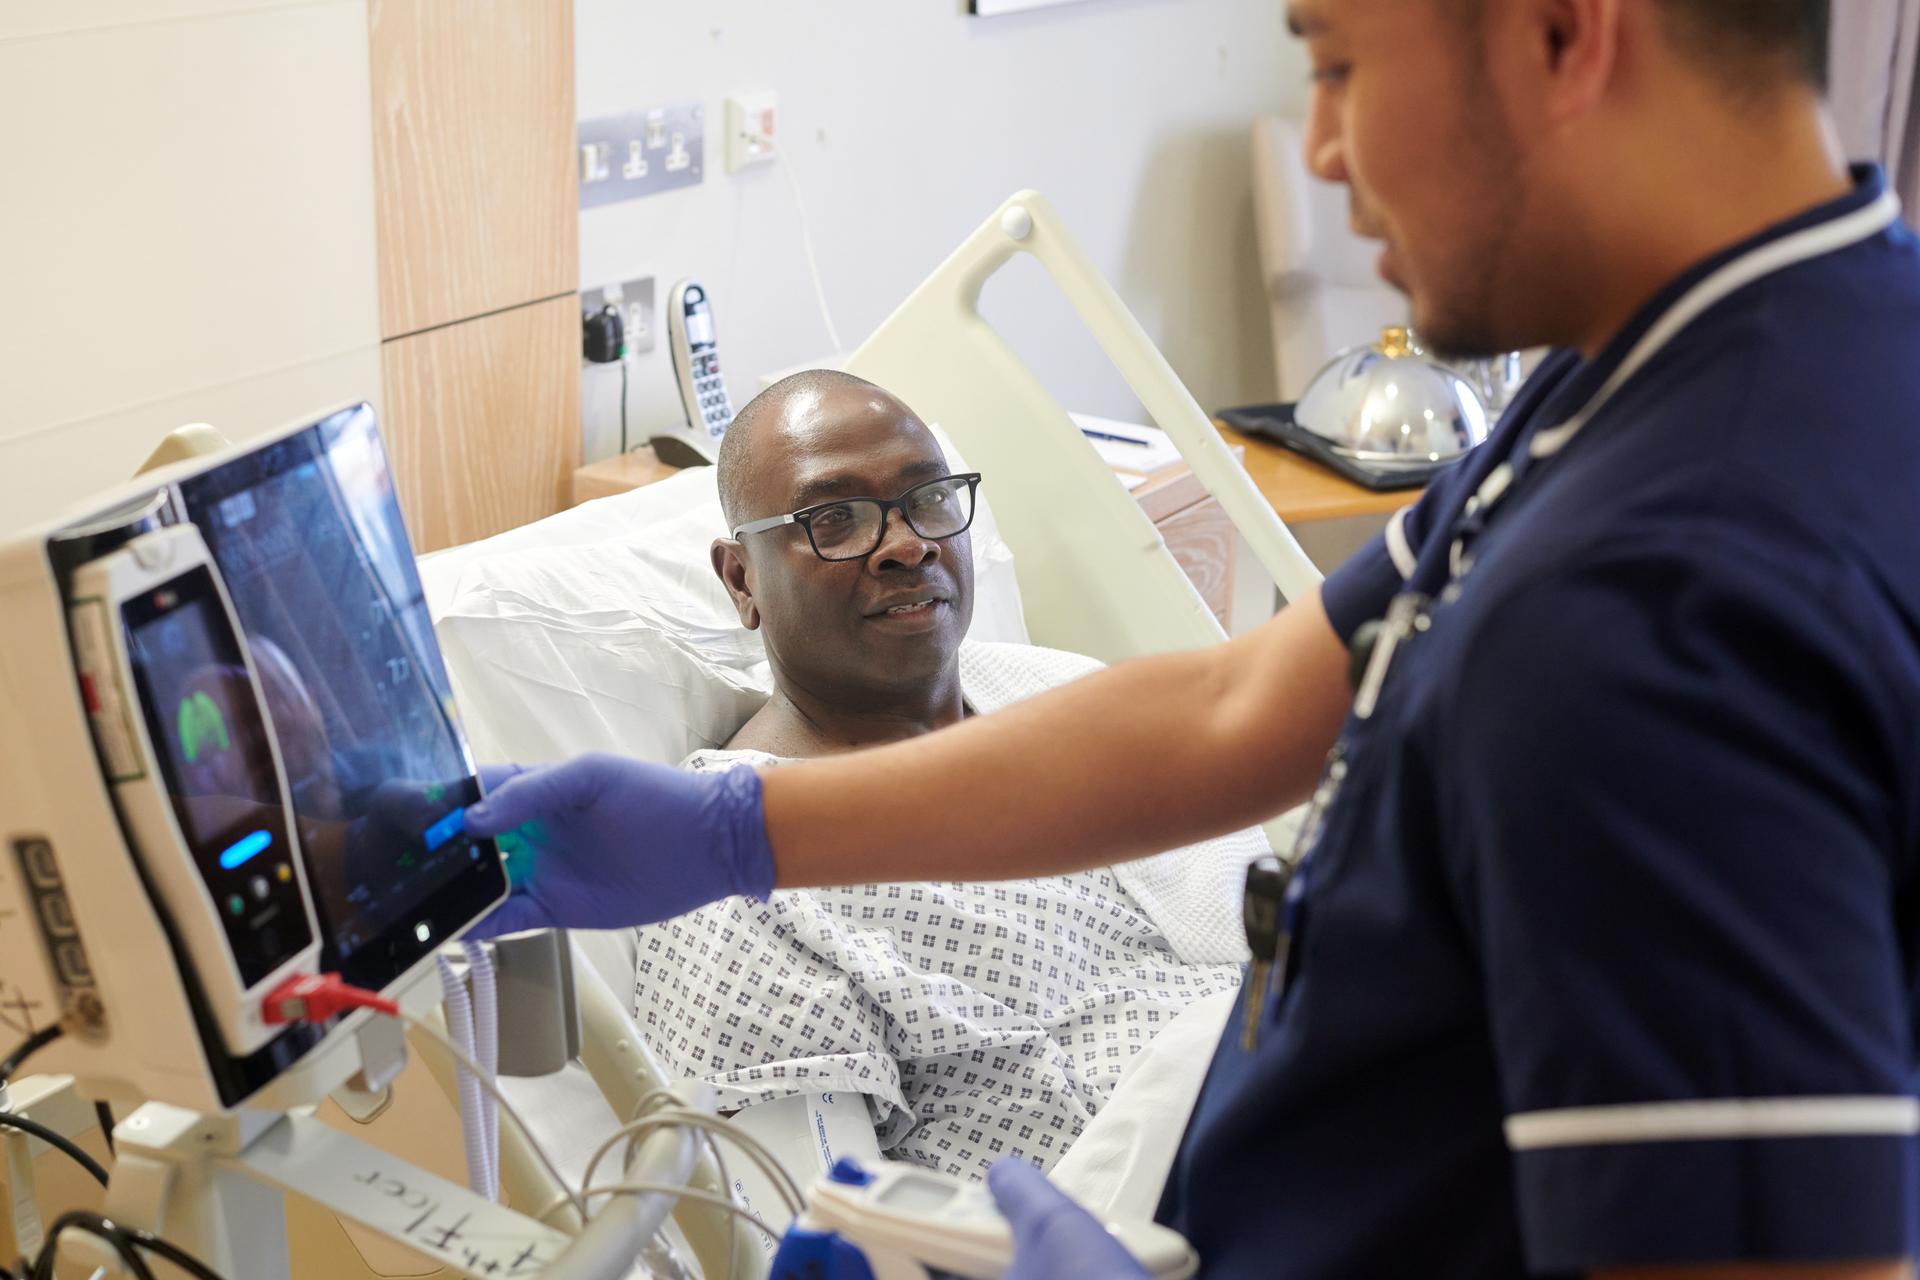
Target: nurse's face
x,y
862,632
1404,114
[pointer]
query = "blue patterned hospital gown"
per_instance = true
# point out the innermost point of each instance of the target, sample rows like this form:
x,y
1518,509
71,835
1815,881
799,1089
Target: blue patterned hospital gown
x,y
979,1020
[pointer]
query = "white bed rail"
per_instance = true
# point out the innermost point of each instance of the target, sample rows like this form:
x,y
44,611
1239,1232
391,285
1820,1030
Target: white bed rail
x,y
1095,576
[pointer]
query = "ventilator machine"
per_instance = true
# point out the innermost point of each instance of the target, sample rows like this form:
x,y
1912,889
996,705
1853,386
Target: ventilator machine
x,y
232,796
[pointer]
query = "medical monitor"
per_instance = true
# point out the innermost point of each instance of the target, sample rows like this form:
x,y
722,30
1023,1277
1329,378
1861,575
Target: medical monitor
x,y
216,769
308,536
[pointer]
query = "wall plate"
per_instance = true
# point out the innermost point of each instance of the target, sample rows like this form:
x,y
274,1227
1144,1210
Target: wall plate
x,y
635,300
641,153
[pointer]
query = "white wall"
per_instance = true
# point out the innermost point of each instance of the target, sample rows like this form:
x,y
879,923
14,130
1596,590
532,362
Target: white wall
x,y
186,232
908,122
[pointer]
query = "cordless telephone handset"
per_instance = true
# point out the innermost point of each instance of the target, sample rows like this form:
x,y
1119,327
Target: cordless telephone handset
x,y
696,367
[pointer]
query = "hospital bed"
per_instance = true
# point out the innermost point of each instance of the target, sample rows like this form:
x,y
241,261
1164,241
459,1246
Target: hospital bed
x,y
602,628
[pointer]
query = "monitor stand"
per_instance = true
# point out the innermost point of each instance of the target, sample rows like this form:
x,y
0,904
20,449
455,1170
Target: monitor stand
x,y
215,1186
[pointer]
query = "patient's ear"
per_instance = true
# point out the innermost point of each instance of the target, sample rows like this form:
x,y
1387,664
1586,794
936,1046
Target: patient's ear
x,y
732,571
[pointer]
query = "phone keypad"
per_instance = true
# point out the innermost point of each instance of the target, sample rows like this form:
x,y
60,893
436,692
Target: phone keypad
x,y
716,411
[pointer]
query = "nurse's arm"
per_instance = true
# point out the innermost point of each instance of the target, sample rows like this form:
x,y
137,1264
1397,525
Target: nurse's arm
x,y
1767,1271
1144,756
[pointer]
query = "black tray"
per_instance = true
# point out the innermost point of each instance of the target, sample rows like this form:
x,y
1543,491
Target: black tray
x,y
1275,422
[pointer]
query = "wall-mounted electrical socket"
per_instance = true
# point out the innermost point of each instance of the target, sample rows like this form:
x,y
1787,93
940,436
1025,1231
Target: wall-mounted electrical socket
x,y
641,153
594,161
634,300
750,129
678,155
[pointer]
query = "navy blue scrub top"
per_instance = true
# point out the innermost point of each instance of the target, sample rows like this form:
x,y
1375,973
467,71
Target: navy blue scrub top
x,y
1606,954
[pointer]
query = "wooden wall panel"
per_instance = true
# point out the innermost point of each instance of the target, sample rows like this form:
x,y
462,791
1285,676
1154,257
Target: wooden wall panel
x,y
473,143
483,420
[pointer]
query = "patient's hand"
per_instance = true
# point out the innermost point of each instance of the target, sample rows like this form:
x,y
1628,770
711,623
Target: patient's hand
x,y
614,842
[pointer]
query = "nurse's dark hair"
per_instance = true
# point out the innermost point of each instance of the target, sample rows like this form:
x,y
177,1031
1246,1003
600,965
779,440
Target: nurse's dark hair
x,y
1751,42
735,462
1750,45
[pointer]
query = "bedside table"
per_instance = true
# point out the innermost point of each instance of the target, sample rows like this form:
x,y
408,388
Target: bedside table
x,y
618,474
1330,516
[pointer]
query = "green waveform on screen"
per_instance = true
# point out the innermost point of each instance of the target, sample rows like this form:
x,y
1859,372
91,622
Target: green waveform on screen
x,y
201,726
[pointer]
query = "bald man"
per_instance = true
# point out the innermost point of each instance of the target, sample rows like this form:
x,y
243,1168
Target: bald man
x,y
977,1020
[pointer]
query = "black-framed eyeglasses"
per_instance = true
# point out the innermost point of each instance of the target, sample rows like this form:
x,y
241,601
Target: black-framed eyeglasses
x,y
851,528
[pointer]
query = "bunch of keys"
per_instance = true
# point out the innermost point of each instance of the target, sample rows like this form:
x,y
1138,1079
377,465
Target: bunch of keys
x,y
1264,909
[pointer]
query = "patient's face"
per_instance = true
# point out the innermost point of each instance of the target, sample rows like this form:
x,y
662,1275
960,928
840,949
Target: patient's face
x,y
838,628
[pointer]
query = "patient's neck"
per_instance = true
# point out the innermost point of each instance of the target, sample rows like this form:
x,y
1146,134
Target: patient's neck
x,y
800,721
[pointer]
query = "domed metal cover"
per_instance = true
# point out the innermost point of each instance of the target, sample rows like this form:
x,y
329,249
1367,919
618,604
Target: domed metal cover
x,y
1387,405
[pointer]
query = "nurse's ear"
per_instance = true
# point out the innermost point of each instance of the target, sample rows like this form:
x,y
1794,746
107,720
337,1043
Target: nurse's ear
x,y
1572,53
729,563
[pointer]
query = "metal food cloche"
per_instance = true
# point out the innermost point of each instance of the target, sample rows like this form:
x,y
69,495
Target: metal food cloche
x,y
1388,405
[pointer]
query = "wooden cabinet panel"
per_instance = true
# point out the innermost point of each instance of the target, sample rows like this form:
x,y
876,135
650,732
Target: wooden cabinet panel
x,y
1196,530
473,146
1202,539
483,421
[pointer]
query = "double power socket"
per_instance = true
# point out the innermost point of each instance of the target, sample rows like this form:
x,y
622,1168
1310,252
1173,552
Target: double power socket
x,y
660,149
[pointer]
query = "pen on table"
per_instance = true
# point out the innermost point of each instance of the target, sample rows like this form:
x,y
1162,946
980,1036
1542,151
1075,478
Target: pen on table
x,y
1091,434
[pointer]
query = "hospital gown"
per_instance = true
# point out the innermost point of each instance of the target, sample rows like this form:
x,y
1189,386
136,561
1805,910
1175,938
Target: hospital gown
x,y
978,1020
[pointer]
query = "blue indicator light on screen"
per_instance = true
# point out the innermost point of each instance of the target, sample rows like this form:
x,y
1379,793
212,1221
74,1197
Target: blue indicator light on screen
x,y
445,829
245,849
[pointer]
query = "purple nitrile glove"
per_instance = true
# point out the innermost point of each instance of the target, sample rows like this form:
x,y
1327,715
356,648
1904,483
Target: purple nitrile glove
x,y
602,842
1053,1237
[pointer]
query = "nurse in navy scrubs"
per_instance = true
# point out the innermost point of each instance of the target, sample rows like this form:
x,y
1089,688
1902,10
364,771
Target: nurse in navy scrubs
x,y
1600,956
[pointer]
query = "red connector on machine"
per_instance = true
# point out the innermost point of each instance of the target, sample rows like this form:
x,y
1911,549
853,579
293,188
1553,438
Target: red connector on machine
x,y
318,997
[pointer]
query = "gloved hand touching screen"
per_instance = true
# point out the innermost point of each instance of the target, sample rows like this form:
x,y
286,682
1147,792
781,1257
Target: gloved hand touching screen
x,y
603,842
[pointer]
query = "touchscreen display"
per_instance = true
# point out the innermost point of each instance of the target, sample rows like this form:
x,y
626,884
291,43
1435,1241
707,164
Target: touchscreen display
x,y
205,726
309,538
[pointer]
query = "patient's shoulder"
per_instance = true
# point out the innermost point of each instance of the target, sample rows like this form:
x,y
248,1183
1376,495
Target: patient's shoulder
x,y
775,731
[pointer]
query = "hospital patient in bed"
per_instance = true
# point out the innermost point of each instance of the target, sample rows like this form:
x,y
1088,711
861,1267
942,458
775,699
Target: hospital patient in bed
x,y
978,1020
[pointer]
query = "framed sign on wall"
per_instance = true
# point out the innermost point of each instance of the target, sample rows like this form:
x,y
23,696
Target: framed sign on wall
x,y
992,8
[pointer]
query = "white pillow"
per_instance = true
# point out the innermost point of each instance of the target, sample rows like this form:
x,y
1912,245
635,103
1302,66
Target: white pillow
x,y
603,628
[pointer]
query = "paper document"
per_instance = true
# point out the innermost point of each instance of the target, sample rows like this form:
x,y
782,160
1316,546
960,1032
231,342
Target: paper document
x,y
1127,446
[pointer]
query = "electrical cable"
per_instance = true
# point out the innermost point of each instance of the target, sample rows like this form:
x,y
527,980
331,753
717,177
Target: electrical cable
x,y
127,1242
11,1064
316,997
104,1114
726,1192
782,1181
713,1198
662,1109
172,1253
59,1142
526,1131
623,403
806,241
100,1228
